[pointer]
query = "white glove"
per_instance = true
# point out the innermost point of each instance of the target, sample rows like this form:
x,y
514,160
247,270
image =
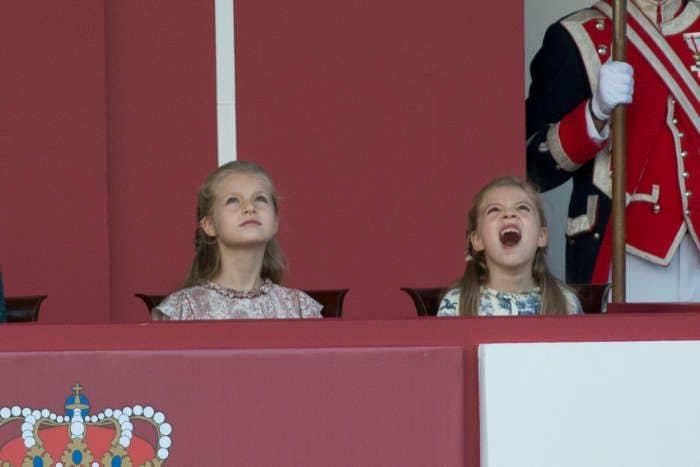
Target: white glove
x,y
615,86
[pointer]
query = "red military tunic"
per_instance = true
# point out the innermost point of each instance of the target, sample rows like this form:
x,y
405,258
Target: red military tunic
x,y
663,143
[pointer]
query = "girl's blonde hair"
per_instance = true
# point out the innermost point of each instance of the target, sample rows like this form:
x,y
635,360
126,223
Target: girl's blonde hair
x,y
476,272
207,259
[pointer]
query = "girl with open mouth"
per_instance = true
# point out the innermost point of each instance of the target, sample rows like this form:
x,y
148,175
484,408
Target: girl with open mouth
x,y
506,273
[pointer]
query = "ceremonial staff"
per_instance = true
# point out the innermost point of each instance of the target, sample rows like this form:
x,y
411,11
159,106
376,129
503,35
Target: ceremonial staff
x,y
619,165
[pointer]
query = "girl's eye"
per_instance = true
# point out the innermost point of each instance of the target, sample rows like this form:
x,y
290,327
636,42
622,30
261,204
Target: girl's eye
x,y
232,200
524,207
491,210
262,199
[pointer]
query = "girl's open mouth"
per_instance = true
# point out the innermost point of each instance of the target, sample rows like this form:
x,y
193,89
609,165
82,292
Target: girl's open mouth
x,y
510,236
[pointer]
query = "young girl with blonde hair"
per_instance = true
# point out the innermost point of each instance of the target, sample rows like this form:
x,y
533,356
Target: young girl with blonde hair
x,y
506,273
238,265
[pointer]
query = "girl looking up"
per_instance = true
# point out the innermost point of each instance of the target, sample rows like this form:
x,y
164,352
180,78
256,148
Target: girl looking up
x,y
506,272
238,265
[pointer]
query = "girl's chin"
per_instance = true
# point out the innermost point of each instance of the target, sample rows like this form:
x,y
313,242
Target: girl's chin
x,y
242,243
512,264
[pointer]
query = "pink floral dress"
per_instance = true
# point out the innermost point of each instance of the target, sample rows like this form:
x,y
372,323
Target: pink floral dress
x,y
212,301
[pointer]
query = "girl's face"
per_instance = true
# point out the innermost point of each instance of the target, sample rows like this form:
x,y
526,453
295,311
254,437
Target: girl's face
x,y
242,213
509,229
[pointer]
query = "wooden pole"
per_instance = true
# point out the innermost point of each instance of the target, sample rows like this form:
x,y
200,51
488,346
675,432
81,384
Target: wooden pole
x,y
619,165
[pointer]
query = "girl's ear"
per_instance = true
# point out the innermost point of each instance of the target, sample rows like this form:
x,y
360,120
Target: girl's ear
x,y
543,238
208,226
476,241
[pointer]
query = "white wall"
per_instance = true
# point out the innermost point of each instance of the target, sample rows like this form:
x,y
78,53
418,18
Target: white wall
x,y
539,14
225,81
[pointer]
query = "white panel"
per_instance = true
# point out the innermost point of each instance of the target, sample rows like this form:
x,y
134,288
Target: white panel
x,y
590,404
225,81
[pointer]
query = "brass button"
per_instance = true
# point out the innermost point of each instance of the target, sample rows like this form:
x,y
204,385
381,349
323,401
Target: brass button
x,y
684,153
656,209
602,49
688,194
674,121
600,25
681,134
687,212
596,236
542,147
686,175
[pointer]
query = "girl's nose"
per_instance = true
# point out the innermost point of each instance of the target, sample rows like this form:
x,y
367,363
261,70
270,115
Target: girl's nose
x,y
248,208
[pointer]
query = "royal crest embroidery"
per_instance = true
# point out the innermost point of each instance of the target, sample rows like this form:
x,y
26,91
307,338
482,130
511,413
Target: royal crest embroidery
x,y
693,41
80,438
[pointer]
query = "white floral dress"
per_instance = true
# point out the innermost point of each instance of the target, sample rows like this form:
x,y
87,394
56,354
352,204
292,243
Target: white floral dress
x,y
497,303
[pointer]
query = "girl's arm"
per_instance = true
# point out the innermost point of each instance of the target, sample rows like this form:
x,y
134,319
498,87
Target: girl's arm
x,y
157,315
449,305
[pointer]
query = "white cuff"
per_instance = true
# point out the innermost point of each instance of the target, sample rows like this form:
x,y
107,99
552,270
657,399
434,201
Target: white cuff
x,y
593,133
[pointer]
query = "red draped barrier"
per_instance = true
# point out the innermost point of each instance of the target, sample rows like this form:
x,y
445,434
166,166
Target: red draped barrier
x,y
356,386
340,406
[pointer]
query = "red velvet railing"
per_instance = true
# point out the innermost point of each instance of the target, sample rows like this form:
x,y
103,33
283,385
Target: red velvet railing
x,y
347,334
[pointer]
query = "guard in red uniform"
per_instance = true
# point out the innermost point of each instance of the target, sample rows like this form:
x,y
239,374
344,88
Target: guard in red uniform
x,y
575,86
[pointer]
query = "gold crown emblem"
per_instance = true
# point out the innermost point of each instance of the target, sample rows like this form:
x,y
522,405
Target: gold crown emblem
x,y
79,439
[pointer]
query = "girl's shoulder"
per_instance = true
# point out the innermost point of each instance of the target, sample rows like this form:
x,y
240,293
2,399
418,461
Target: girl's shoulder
x,y
180,304
309,307
449,305
573,304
